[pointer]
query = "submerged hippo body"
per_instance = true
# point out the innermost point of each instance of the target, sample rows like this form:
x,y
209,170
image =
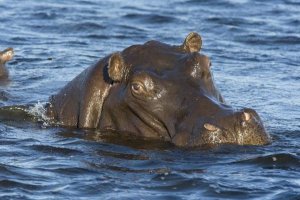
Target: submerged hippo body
x,y
5,56
159,91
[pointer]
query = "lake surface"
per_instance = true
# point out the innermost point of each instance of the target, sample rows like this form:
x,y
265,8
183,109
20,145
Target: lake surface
x,y
254,47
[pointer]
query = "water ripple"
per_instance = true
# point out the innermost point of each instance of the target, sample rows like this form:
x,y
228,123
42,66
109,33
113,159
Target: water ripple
x,y
254,48
54,150
150,18
280,160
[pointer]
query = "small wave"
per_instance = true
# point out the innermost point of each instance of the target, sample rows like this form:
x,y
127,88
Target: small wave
x,y
127,169
294,22
63,28
291,195
74,171
83,27
292,2
4,96
39,112
54,150
87,26
280,160
294,78
150,18
124,156
176,183
4,169
234,21
135,8
44,15
269,40
131,28
221,4
97,36
18,184
19,39
125,139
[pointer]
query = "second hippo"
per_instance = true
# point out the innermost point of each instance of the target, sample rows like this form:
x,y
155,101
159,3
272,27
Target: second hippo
x,y
5,56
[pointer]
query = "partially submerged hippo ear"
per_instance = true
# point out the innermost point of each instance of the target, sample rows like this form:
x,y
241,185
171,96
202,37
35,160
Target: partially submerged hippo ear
x,y
192,43
116,67
6,55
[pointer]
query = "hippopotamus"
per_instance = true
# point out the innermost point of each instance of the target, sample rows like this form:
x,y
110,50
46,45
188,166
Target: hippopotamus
x,y
5,56
158,91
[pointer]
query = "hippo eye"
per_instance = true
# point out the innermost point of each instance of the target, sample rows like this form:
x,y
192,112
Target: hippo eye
x,y
137,87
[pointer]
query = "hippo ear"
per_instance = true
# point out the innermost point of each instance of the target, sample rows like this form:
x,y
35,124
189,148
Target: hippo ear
x,y
192,43
6,55
116,67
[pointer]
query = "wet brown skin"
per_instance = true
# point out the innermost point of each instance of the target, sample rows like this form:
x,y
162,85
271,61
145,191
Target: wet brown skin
x,y
5,56
158,91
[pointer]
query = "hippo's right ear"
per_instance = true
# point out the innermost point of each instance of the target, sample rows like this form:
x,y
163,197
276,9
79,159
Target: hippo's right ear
x,y
116,67
192,43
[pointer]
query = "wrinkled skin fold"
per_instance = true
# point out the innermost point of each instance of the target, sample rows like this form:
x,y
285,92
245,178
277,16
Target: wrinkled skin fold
x,y
158,91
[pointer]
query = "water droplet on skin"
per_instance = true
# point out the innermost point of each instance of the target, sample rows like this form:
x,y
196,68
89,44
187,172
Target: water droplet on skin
x,y
243,124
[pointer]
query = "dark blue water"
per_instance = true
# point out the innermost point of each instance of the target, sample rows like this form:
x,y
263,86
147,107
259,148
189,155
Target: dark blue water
x,y
254,47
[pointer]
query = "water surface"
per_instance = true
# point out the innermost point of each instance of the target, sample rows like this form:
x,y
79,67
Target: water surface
x,y
254,47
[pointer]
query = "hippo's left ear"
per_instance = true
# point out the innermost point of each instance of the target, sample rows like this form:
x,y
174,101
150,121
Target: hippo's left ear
x,y
6,55
116,67
192,43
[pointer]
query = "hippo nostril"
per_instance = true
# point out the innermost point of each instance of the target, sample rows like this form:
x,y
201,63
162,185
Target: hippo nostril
x,y
246,116
210,127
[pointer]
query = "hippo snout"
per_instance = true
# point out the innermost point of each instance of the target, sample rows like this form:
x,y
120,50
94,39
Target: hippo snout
x,y
242,127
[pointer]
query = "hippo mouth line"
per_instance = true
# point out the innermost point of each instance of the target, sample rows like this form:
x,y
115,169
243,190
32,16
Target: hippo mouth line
x,y
152,122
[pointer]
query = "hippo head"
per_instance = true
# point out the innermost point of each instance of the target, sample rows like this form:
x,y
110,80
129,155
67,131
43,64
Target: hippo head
x,y
167,92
